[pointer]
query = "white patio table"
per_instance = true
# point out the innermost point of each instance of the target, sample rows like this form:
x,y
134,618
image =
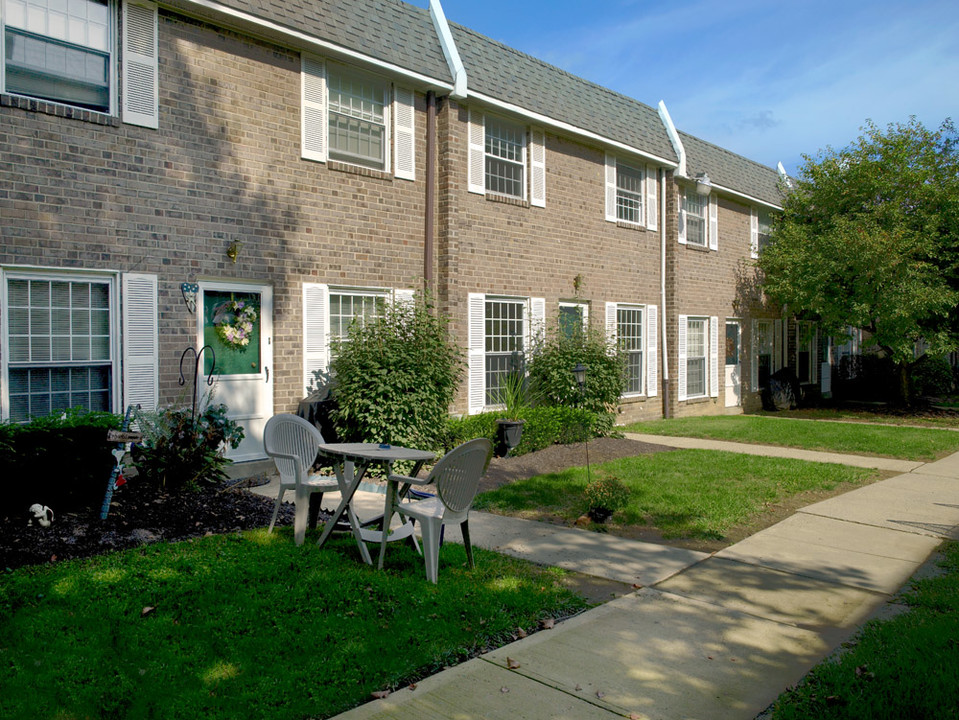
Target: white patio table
x,y
351,461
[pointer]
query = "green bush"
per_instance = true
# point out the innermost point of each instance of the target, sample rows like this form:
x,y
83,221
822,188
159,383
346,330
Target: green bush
x,y
544,426
63,461
931,376
551,364
395,377
179,452
604,496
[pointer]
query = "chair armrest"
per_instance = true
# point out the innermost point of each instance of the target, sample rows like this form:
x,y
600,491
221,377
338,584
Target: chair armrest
x,y
411,480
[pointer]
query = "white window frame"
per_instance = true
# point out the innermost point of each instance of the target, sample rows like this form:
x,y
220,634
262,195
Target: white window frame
x,y
703,217
522,305
111,51
624,196
649,370
111,280
705,356
338,72
633,352
489,147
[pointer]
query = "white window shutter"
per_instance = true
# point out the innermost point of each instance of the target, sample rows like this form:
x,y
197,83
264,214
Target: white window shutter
x,y
714,356
140,341
777,345
652,198
652,363
713,223
477,353
681,358
611,334
537,178
141,85
753,233
536,327
754,343
404,118
476,180
316,324
681,220
313,130
610,188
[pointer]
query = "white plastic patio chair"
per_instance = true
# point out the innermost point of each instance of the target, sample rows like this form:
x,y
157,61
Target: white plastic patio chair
x,y
456,477
293,443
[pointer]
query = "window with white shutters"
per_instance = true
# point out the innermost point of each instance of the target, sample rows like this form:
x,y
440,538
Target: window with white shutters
x,y
505,158
696,346
358,116
60,348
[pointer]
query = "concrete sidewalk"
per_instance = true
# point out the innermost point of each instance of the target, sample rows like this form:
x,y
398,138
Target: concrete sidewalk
x,y
707,636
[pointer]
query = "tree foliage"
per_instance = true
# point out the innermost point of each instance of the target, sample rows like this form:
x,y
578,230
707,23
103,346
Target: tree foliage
x,y
869,237
395,377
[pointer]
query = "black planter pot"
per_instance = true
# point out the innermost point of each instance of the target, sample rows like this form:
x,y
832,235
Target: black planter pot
x,y
599,515
510,434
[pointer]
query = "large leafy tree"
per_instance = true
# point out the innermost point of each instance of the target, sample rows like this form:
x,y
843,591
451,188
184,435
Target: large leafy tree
x,y
869,237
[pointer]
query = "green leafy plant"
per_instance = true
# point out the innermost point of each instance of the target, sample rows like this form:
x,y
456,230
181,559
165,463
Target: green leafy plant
x,y
551,364
931,376
604,496
515,394
395,377
182,452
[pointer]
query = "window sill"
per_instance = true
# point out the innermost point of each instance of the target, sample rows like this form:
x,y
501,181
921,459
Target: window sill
x,y
697,248
630,226
632,398
698,399
68,112
339,166
507,200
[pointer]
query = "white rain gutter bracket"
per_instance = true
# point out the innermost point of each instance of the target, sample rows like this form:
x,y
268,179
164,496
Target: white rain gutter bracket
x,y
674,139
452,55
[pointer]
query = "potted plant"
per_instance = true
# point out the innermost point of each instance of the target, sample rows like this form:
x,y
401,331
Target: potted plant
x,y
514,396
604,496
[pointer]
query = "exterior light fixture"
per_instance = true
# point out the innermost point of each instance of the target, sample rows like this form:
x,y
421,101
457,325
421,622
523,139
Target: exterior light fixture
x,y
579,373
703,184
233,250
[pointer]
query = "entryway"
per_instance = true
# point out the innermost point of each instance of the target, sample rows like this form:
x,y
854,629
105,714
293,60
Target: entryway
x,y
734,367
237,322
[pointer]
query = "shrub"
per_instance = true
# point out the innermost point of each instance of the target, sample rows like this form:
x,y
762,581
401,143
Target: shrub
x,y
395,378
182,453
604,496
551,364
931,376
63,461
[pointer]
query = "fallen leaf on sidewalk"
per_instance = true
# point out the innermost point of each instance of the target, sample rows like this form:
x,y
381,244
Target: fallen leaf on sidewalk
x,y
511,664
504,689
412,686
578,687
548,623
520,632
600,694
380,694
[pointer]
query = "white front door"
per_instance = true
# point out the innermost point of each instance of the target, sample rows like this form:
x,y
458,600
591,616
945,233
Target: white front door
x,y
236,321
734,365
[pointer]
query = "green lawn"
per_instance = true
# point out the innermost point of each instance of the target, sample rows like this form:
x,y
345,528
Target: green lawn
x,y
907,443
684,493
904,667
250,626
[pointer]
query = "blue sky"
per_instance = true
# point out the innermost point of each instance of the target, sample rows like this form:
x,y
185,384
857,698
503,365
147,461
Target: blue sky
x,y
769,80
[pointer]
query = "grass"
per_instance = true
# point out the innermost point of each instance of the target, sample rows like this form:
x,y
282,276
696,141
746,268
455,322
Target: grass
x,y
248,625
849,414
684,494
903,667
907,443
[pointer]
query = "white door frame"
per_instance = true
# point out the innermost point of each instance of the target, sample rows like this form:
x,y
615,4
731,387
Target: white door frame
x,y
734,373
254,389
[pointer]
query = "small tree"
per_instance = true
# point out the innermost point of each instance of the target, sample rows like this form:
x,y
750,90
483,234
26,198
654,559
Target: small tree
x,y
868,238
395,377
551,364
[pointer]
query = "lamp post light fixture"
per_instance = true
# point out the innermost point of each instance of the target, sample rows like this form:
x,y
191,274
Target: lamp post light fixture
x,y
579,374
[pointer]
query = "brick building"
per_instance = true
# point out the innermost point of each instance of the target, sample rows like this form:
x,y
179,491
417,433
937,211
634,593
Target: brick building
x,y
318,161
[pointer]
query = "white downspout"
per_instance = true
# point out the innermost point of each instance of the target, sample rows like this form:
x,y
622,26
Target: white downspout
x,y
452,55
662,289
674,139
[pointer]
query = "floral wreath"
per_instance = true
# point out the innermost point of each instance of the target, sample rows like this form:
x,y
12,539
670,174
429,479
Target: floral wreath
x,y
233,321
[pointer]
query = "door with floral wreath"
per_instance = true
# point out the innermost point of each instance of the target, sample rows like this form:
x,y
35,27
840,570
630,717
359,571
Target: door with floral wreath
x,y
236,322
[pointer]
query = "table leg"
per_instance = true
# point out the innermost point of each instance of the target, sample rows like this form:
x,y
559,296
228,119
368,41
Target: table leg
x,y
392,499
348,480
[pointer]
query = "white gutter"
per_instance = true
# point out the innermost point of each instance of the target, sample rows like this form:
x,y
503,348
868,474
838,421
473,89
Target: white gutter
x,y
569,129
299,40
744,196
452,55
674,139
662,289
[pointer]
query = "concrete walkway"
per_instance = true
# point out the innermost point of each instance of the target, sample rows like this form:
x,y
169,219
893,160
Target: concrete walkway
x,y
706,636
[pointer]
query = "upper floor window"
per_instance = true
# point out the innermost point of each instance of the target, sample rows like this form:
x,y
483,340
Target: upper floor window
x,y
358,118
696,209
59,50
629,194
764,229
505,158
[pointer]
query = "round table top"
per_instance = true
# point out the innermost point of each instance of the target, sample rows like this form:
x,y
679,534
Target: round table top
x,y
373,451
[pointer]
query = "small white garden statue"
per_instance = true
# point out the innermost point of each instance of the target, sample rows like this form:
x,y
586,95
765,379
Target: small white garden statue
x,y
42,514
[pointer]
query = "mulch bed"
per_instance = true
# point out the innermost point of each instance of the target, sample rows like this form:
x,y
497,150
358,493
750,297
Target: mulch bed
x,y
140,514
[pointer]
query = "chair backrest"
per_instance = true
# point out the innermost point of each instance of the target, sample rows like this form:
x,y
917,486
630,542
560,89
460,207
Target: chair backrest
x,y
288,434
458,473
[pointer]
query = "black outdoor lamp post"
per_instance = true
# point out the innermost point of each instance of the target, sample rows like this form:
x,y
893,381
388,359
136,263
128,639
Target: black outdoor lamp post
x,y
579,374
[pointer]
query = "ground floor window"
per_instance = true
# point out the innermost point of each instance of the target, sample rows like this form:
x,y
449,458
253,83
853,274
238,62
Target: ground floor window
x,y
696,329
60,351
629,335
573,318
763,343
505,332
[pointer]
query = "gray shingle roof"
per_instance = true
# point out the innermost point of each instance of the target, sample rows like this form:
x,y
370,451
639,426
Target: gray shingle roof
x,y
387,30
510,76
730,170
